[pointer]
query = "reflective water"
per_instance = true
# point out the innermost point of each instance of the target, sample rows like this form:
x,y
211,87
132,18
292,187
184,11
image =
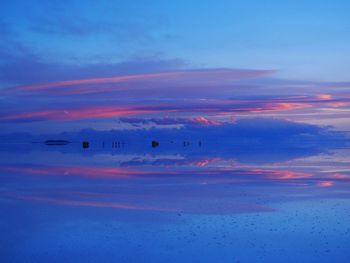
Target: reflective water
x,y
179,201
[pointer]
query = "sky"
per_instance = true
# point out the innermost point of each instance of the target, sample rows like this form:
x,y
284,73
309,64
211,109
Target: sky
x,y
70,65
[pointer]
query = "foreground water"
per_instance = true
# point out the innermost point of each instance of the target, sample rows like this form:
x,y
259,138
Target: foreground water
x,y
70,204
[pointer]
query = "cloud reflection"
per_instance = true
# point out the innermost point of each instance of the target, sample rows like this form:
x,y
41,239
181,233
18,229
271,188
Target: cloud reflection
x,y
222,168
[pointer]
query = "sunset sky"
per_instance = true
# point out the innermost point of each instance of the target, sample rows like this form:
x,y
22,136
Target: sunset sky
x,y
69,65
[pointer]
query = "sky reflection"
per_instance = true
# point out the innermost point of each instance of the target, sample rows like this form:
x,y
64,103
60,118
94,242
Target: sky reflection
x,y
56,189
180,177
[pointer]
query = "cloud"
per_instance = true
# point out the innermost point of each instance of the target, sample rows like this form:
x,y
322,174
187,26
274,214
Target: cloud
x,y
114,111
173,79
108,108
86,31
200,120
28,69
76,113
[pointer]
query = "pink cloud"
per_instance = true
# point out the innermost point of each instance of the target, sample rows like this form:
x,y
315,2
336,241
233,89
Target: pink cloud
x,y
325,183
213,107
195,107
204,75
205,121
76,114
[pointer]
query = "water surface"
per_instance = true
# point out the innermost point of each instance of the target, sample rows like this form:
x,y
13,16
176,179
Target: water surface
x,y
176,202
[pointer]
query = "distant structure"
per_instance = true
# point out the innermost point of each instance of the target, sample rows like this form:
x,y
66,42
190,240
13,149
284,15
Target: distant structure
x,y
56,142
155,144
117,144
85,144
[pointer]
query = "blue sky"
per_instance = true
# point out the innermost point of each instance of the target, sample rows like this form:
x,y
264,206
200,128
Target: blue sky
x,y
239,49
301,39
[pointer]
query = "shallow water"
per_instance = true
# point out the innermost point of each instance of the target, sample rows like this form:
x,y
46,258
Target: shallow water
x,y
69,204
